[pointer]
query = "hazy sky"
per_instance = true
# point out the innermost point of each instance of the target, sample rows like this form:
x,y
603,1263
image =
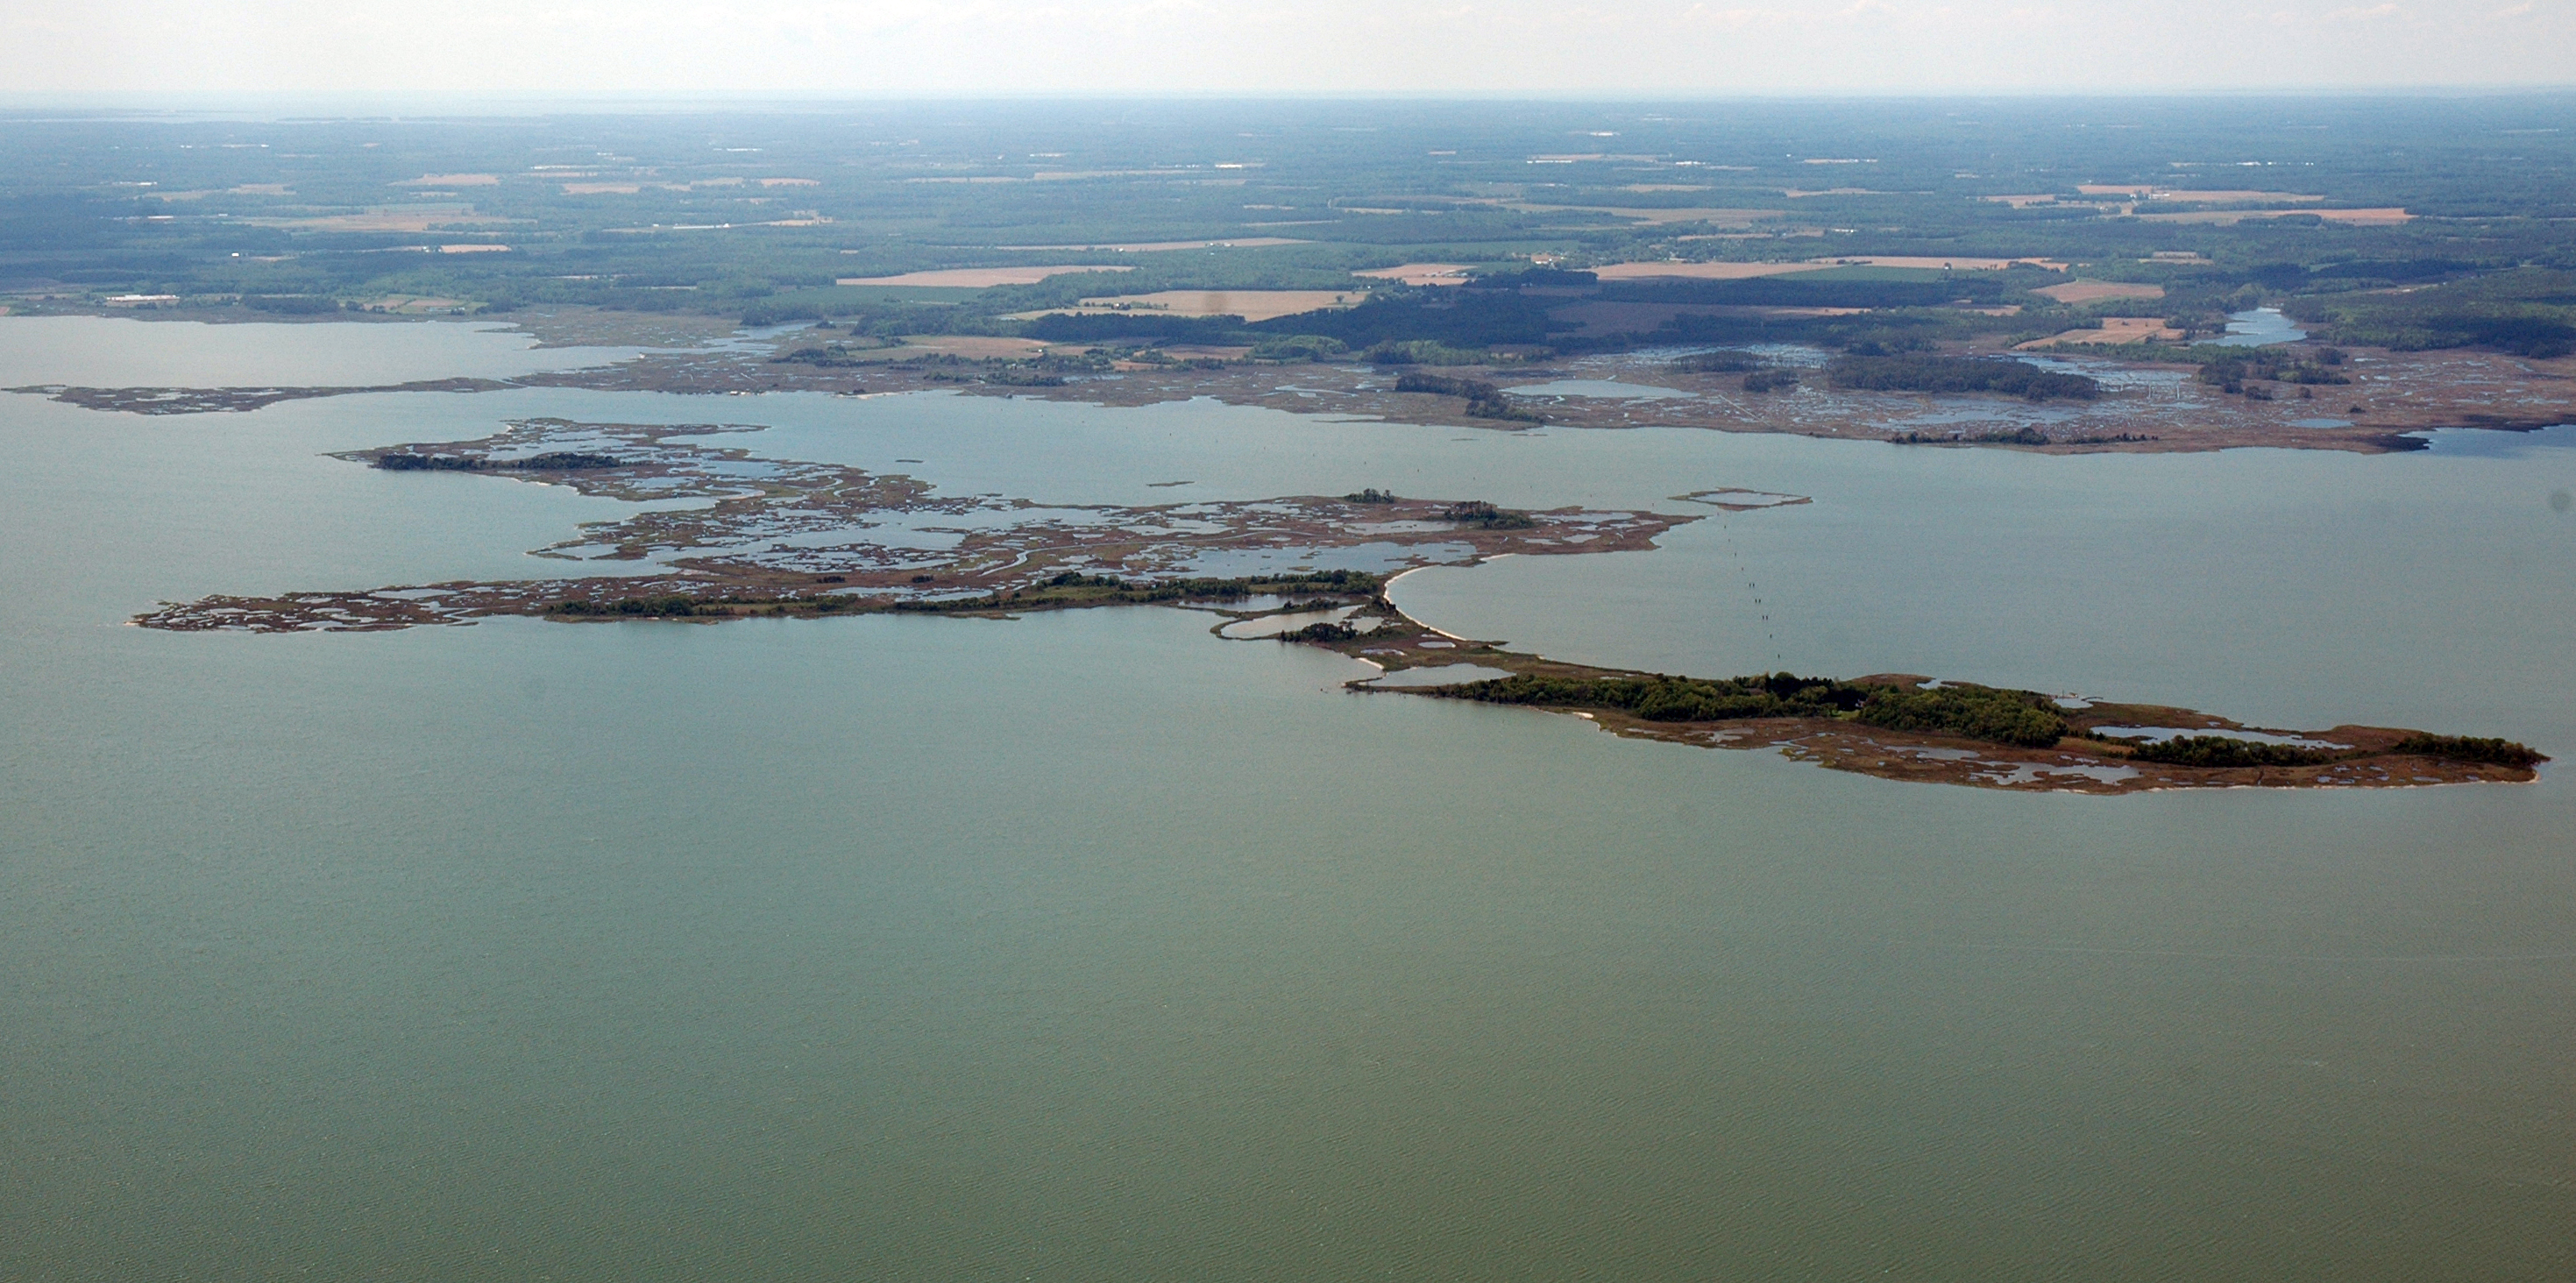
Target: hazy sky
x,y
976,47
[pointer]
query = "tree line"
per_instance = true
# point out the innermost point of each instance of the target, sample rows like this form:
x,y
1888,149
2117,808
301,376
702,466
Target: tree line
x,y
2022,718
551,461
1484,400
1913,373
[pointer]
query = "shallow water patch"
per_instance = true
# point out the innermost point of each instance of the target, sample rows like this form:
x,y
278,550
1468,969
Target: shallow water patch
x,y
1437,675
1273,625
2159,734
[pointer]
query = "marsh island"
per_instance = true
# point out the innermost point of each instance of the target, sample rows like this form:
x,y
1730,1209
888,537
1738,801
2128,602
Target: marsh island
x,y
781,538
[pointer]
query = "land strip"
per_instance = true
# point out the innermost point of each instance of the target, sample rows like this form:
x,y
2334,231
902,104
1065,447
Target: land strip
x,y
784,538
1905,727
2150,407
787,537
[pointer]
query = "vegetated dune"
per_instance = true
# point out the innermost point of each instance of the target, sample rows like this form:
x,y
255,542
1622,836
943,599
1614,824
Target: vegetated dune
x,y
2151,191
2357,217
1741,271
2363,217
412,304
2115,329
401,218
1933,262
2090,291
1654,217
1700,271
1148,247
2233,196
1251,305
970,346
632,187
1602,318
1420,273
981,278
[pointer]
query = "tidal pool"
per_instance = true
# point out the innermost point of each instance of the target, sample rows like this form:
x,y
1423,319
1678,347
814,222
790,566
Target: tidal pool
x,y
1273,625
2261,327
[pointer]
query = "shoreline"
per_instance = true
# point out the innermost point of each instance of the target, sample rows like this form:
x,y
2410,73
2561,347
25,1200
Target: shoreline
x,y
779,538
2080,760
790,537
1372,630
2396,395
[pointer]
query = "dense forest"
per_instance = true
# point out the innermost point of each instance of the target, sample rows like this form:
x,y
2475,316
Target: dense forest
x,y
2230,368
1070,588
1958,374
1973,712
2529,312
1484,400
552,461
2022,719
2229,751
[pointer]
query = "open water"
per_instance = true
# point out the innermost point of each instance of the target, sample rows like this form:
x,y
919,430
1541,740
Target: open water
x,y
1091,946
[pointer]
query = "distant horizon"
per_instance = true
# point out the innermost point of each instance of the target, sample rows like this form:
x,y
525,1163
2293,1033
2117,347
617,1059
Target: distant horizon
x,y
339,104
1518,49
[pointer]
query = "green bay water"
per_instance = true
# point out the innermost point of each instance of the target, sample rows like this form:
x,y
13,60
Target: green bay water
x,y
114,352
1091,946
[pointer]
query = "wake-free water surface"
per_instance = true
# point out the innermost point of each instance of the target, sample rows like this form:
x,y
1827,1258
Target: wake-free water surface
x,y
1090,945
104,352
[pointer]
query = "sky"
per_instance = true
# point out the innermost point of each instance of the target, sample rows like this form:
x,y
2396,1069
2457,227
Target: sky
x,y
908,48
